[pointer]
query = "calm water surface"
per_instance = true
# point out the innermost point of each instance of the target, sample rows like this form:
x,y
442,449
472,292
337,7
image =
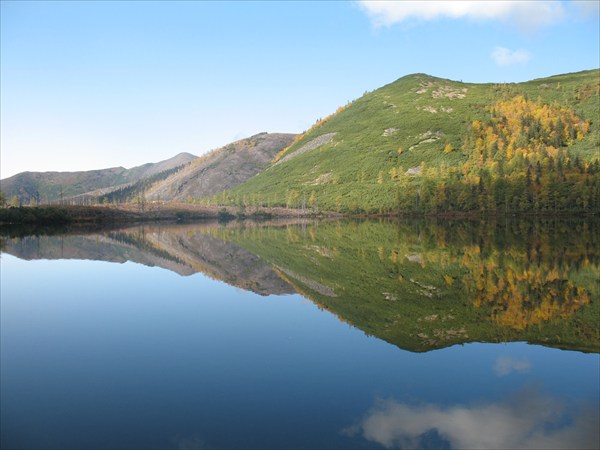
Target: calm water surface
x,y
307,335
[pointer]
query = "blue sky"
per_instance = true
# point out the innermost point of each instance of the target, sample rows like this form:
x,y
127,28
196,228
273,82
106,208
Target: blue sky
x,y
89,85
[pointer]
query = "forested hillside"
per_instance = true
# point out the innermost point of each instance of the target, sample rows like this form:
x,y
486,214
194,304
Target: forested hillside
x,y
428,145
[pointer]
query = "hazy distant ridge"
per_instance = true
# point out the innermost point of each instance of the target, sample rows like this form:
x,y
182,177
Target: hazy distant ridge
x,y
52,186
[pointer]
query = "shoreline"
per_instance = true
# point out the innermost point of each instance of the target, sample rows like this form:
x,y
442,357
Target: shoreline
x,y
178,212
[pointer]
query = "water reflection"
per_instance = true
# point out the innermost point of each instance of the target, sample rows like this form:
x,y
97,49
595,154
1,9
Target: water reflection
x,y
104,355
505,365
184,249
190,443
419,285
529,419
424,285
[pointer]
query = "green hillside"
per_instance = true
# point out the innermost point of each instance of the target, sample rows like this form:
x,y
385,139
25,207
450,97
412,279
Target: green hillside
x,y
425,144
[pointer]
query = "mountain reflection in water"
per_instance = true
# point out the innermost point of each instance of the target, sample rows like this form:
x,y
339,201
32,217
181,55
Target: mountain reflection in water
x,y
101,355
419,285
184,249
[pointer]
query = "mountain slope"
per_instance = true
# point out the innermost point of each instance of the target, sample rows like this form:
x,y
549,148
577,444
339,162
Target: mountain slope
x,y
221,169
52,186
423,144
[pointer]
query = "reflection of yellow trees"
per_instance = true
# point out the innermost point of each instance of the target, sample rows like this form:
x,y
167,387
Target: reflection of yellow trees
x,y
528,282
291,235
514,274
520,294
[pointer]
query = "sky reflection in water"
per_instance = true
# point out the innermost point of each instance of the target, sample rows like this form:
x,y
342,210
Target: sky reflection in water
x,y
102,355
527,419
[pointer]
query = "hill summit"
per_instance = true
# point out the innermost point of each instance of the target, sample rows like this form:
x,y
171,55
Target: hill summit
x,y
425,144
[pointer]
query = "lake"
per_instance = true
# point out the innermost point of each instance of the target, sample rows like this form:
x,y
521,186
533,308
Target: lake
x,y
330,334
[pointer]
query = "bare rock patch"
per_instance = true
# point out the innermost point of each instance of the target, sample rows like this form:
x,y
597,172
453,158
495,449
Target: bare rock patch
x,y
310,145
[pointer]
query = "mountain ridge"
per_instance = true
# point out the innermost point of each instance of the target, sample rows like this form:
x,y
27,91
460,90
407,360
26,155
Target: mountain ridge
x,y
420,144
423,144
177,179
52,186
222,168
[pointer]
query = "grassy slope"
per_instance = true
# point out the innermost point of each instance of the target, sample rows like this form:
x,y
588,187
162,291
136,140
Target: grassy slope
x,y
344,174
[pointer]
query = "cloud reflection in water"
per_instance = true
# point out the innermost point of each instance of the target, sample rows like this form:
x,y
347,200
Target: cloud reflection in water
x,y
506,365
528,420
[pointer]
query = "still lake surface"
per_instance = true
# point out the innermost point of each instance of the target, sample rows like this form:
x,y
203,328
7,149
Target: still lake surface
x,y
339,334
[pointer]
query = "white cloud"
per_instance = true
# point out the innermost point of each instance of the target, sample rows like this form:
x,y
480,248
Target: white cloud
x,y
587,8
528,15
530,420
505,57
505,365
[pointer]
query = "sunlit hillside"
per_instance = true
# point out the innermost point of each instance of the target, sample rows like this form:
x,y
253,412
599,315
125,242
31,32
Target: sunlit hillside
x,y
425,144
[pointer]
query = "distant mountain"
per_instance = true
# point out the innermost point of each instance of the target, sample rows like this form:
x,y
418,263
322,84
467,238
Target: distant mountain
x,y
221,169
48,187
425,144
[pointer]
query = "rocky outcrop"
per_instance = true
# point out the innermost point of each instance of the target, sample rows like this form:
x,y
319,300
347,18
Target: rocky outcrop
x,y
310,145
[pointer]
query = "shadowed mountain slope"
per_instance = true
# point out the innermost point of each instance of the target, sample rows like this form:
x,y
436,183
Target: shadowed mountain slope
x,y
221,169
